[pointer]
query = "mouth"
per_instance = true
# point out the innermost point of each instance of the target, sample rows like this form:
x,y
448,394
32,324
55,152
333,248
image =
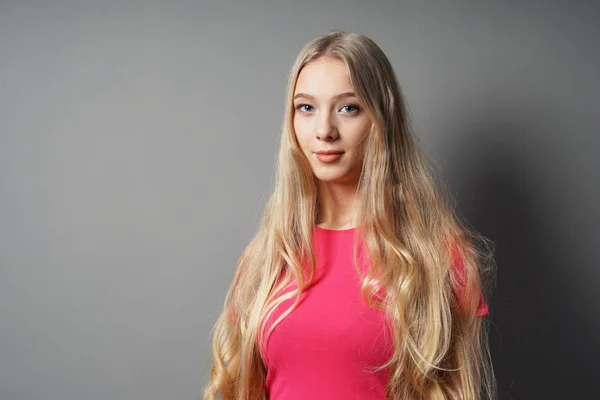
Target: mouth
x,y
328,156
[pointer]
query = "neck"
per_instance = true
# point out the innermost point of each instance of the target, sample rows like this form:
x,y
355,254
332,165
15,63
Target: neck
x,y
336,205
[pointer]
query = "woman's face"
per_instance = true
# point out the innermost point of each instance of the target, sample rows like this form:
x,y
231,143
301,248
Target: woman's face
x,y
329,118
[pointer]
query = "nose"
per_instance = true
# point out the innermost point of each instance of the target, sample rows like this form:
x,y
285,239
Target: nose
x,y
326,129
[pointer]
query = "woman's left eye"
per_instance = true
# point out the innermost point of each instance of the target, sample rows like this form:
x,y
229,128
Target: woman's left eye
x,y
351,106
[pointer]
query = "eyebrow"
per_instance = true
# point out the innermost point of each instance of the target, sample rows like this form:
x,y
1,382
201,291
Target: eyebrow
x,y
308,96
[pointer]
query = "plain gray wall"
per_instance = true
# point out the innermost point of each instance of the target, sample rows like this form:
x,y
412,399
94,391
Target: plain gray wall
x,y
137,148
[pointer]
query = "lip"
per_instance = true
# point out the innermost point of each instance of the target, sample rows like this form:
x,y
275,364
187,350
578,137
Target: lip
x,y
328,156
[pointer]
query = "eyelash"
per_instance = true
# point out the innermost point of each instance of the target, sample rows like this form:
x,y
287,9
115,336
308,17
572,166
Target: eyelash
x,y
299,106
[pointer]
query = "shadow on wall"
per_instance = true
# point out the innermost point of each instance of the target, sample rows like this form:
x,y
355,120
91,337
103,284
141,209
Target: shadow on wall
x,y
542,342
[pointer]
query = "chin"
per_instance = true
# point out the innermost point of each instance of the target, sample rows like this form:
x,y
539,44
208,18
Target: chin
x,y
331,177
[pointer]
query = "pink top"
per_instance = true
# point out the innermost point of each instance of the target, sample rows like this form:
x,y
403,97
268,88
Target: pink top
x,y
323,348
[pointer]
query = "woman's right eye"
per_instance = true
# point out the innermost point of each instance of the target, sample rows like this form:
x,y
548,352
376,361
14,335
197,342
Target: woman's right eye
x,y
299,107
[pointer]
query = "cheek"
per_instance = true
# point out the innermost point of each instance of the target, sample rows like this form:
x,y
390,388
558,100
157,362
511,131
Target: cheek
x,y
302,135
359,135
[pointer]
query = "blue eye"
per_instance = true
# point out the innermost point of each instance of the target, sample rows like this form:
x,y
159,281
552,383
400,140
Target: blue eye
x,y
299,107
351,106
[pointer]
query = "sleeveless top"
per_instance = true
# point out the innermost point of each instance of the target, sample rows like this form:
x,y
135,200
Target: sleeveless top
x,y
327,347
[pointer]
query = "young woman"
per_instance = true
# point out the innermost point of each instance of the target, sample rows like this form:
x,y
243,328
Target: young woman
x,y
361,282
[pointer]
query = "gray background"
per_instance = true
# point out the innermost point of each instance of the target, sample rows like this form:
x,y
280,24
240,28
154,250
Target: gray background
x,y
137,147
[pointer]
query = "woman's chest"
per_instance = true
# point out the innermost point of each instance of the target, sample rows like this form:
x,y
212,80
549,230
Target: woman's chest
x,y
332,325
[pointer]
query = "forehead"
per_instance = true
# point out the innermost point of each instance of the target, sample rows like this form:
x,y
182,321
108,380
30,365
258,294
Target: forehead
x,y
323,77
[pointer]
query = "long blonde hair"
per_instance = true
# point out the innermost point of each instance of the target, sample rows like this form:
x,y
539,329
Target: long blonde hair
x,y
413,237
